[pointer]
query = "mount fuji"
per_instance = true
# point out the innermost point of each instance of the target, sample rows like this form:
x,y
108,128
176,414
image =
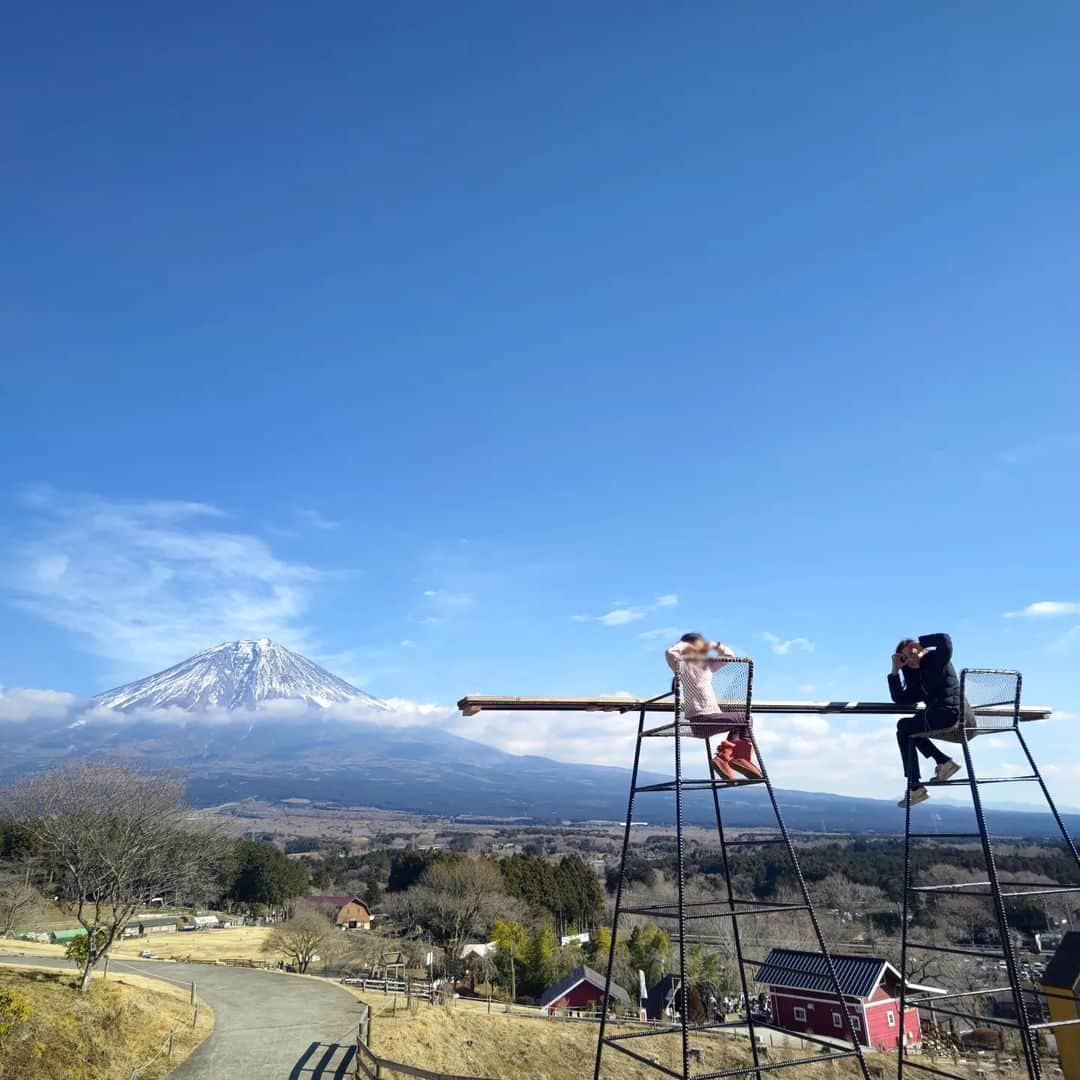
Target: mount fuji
x,y
236,675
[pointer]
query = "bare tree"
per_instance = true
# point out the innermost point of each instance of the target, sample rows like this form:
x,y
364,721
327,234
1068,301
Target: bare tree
x,y
120,840
454,902
303,937
19,899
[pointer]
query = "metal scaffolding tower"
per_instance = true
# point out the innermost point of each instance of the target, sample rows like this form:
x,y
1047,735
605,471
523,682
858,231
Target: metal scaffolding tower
x,y
734,692
994,699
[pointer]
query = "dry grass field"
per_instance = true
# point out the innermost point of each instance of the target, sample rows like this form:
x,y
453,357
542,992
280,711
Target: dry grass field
x,y
236,943
105,1033
520,1048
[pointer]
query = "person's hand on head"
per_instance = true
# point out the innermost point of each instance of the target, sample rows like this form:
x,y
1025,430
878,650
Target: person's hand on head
x,y
897,663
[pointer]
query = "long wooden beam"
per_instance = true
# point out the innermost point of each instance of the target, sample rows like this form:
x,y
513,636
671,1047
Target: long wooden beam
x,y
477,703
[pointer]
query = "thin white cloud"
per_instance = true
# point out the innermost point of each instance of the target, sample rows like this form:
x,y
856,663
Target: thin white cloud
x,y
408,643
623,612
620,616
315,519
1045,609
660,633
782,647
147,583
446,601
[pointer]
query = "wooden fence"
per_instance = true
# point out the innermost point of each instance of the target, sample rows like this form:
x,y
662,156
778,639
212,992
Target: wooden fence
x,y
411,988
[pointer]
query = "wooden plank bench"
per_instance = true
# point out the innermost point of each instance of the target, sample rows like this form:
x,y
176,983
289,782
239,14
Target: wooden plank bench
x,y
473,704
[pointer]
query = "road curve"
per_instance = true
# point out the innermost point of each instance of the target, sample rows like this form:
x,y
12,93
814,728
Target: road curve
x,y
267,1026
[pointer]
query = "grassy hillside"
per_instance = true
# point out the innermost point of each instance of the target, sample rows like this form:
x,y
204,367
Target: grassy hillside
x,y
519,1048
101,1035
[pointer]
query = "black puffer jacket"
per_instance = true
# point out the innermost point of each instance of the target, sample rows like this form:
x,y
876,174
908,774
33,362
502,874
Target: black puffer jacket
x,y
934,681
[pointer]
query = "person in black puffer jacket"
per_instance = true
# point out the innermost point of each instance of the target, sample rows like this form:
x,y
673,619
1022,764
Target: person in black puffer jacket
x,y
928,676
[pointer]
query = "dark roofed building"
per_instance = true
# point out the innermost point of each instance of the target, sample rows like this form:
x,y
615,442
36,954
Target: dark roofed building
x,y
583,988
661,1004
803,999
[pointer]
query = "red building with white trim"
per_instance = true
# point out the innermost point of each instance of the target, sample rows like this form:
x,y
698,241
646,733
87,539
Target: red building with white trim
x,y
803,1000
582,989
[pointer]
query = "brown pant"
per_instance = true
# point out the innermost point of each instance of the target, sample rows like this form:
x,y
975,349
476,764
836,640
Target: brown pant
x,y
706,725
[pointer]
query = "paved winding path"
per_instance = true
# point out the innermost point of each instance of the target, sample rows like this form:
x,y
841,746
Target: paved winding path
x,y
266,1026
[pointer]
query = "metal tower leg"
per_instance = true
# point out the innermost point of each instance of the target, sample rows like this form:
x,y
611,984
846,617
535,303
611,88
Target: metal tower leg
x,y
738,708
982,687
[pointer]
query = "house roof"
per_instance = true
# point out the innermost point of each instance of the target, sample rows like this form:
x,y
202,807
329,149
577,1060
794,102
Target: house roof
x,y
580,975
1063,971
802,970
662,995
337,901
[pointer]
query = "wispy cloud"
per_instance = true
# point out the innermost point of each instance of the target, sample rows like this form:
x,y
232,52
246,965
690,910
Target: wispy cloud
x,y
149,582
623,612
315,519
1045,609
660,633
442,603
782,647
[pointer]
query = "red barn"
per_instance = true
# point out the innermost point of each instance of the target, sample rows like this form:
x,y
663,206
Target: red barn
x,y
583,988
803,1001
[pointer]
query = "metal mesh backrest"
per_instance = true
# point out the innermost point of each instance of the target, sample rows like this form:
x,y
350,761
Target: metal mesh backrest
x,y
990,688
733,683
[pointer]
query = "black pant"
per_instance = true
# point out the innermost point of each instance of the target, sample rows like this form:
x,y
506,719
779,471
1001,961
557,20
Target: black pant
x,y
912,725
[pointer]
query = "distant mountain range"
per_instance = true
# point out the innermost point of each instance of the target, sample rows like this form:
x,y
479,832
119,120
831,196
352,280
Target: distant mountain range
x,y
253,719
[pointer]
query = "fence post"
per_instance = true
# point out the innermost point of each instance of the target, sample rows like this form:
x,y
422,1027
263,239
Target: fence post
x,y
191,1000
172,1035
195,1015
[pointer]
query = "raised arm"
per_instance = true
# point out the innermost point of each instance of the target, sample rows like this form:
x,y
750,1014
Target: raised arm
x,y
676,655
940,643
901,695
716,662
903,691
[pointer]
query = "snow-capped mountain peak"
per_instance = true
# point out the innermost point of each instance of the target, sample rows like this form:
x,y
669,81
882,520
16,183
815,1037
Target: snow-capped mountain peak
x,y
236,675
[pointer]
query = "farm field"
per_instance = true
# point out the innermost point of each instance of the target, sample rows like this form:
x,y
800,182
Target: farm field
x,y
116,1026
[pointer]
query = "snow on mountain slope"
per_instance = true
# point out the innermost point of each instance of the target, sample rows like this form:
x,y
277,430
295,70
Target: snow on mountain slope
x,y
236,675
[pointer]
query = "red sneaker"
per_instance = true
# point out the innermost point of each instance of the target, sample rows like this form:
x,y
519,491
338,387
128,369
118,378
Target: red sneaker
x,y
742,759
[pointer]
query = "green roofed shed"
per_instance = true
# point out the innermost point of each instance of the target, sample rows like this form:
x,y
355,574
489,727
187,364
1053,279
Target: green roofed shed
x,y
62,937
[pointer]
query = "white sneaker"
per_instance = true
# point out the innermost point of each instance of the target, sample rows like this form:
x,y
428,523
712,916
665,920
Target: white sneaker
x,y
916,795
945,770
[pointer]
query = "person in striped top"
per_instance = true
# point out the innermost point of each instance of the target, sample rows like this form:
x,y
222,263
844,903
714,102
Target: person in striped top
x,y
692,663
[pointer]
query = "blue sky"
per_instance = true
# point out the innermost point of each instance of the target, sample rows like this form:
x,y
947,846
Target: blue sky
x,y
405,334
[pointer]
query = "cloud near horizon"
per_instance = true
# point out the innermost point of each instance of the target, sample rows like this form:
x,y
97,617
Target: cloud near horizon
x,y
792,744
